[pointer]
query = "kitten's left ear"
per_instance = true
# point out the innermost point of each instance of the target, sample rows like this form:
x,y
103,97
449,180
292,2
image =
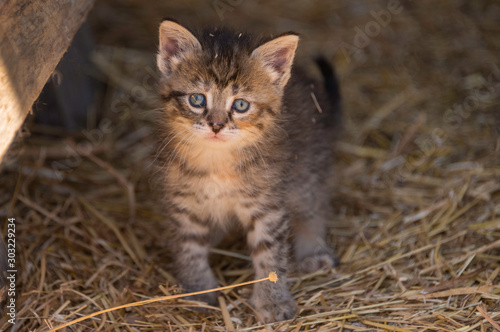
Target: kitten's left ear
x,y
277,57
175,43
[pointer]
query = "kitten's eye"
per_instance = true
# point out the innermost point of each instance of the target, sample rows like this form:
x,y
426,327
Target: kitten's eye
x,y
197,100
241,105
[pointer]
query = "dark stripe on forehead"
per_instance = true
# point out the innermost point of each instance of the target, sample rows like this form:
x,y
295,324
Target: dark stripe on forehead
x,y
223,74
233,77
213,75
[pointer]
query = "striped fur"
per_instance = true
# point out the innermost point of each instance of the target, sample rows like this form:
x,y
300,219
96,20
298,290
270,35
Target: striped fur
x,y
266,169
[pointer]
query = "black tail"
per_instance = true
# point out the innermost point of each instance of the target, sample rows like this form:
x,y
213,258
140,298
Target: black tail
x,y
331,86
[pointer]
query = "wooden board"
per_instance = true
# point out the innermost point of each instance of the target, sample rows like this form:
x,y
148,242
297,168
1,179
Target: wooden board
x,y
33,37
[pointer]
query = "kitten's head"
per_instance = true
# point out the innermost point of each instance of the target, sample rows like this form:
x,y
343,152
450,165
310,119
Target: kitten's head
x,y
222,88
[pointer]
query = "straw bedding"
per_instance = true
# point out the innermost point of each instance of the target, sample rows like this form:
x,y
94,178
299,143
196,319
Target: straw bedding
x,y
417,198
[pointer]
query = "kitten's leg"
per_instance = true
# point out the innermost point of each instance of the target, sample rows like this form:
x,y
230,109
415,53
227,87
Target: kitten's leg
x,y
267,239
190,249
309,231
311,251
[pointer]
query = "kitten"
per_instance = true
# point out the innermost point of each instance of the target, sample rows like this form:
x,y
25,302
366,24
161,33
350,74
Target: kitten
x,y
240,142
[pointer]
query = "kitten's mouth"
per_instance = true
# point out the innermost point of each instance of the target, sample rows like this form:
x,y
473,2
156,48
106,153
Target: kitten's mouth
x,y
216,137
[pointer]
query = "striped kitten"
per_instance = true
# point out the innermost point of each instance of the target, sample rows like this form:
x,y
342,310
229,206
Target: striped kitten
x,y
243,143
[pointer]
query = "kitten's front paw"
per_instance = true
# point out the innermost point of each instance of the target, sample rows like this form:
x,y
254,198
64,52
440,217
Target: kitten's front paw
x,y
272,310
317,262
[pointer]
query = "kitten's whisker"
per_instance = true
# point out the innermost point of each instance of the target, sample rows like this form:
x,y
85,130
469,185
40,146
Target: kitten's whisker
x,y
164,146
257,149
154,110
282,129
247,158
258,153
247,150
161,108
170,153
243,156
189,142
156,113
175,152
178,149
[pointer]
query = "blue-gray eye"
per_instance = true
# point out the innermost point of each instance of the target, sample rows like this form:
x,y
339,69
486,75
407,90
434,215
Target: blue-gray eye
x,y
197,100
241,105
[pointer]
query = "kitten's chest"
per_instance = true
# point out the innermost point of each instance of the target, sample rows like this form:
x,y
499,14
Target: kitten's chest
x,y
219,186
217,194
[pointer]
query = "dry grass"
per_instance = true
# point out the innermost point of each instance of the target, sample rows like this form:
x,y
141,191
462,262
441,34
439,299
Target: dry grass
x,y
417,199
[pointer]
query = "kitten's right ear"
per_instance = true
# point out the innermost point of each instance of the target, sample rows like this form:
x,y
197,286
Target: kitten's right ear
x,y
175,43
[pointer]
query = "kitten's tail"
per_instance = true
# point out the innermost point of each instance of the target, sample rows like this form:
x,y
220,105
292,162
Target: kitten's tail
x,y
331,87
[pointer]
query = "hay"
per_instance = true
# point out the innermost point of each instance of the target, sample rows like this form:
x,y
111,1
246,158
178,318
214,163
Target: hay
x,y
272,277
417,198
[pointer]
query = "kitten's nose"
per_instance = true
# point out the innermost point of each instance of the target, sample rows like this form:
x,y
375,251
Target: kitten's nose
x,y
216,126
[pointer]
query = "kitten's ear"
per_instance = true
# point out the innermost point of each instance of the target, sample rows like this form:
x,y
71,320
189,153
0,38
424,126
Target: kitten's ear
x,y
175,43
277,57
